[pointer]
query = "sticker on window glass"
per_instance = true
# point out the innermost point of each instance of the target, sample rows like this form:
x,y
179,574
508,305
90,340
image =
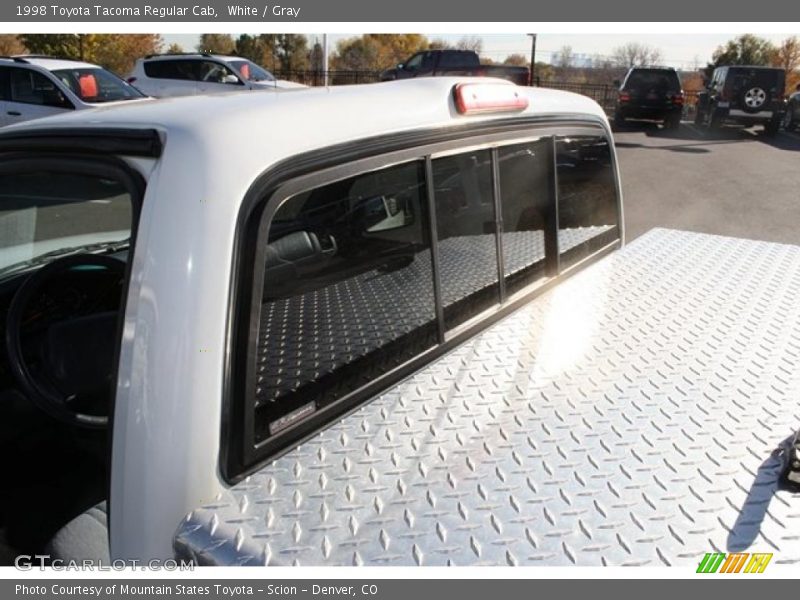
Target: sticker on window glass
x,y
291,418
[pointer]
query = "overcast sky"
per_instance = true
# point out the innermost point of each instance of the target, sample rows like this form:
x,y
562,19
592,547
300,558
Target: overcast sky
x,y
681,51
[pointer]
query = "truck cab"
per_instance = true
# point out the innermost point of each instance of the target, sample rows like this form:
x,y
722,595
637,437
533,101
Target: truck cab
x,y
413,337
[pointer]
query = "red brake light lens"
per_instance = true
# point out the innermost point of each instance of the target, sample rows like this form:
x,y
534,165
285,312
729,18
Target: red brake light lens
x,y
624,96
472,98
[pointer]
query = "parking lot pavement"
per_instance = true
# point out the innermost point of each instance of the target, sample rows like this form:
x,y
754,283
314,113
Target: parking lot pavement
x,y
735,182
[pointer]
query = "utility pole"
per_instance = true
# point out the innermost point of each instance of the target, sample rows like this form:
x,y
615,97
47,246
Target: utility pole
x,y
533,59
325,58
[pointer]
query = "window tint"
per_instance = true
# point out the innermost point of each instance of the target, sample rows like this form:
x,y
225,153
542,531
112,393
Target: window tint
x,y
348,292
96,85
655,80
415,62
30,87
186,70
527,201
4,74
465,225
456,59
587,209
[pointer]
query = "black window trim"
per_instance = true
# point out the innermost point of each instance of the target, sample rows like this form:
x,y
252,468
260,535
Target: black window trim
x,y
239,455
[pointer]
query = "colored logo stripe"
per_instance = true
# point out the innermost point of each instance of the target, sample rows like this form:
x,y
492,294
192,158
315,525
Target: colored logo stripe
x,y
758,563
711,562
734,562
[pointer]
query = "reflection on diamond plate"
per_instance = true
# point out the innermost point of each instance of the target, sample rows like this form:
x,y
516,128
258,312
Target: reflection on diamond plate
x,y
308,336
626,417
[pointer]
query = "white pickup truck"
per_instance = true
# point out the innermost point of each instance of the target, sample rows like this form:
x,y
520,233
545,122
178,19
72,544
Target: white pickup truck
x,y
384,324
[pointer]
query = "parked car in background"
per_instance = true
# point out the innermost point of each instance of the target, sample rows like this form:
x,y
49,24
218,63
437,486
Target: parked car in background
x,y
650,93
433,63
40,86
743,95
791,119
163,75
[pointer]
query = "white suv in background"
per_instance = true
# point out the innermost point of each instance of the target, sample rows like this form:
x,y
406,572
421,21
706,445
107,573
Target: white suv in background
x,y
163,75
39,86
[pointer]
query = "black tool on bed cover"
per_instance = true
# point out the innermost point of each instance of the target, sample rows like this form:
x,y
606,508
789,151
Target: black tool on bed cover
x,y
790,474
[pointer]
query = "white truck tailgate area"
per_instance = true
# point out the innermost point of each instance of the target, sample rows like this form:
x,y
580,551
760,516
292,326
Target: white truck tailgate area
x,y
629,416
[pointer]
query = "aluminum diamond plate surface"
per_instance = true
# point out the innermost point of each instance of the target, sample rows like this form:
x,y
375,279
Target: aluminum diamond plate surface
x,y
317,331
626,417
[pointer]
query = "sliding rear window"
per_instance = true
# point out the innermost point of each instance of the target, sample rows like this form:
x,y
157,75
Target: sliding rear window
x,y
366,273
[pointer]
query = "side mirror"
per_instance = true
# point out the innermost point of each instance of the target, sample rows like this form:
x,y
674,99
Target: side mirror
x,y
400,66
230,79
617,82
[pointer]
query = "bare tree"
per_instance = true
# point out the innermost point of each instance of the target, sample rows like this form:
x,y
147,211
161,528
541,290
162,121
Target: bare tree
x,y
635,54
470,42
564,58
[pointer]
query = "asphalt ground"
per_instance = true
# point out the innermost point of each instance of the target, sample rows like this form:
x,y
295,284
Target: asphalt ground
x,y
735,182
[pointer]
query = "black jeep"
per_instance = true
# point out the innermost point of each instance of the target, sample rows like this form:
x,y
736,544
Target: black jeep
x,y
650,93
744,95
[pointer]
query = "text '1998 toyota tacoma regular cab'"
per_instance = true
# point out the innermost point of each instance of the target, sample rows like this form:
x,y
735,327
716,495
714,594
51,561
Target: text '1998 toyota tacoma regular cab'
x,y
383,324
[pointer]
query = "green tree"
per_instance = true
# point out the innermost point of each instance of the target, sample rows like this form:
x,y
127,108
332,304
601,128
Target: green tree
x,y
747,49
293,52
216,43
118,52
66,45
114,51
249,46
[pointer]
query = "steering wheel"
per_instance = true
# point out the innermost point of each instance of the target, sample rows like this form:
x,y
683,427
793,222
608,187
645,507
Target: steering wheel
x,y
72,378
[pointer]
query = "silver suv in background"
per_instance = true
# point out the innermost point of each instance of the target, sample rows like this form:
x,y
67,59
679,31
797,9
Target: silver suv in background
x,y
33,86
164,75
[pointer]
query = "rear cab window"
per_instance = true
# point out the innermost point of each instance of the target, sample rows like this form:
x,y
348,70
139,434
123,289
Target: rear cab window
x,y
354,277
660,80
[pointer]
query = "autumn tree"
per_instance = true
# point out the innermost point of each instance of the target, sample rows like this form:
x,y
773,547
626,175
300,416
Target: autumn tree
x,y
517,60
11,44
373,52
174,49
118,52
635,54
216,43
787,57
